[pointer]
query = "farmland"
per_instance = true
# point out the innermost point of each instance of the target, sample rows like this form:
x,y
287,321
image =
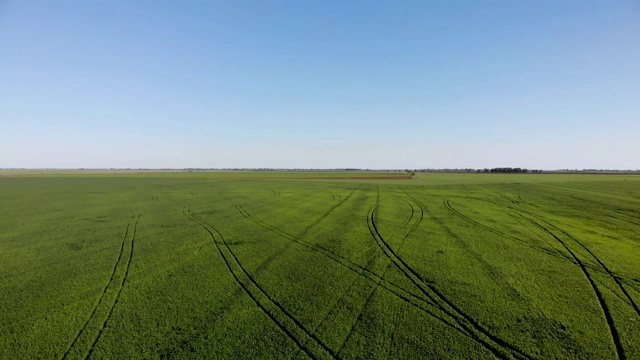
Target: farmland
x,y
303,265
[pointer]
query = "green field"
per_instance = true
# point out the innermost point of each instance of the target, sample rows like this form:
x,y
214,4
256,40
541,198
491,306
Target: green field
x,y
243,265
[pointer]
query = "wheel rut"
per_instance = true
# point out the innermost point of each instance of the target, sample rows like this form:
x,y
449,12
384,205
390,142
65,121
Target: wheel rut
x,y
447,203
292,238
598,265
356,268
499,347
378,280
598,294
307,341
423,304
93,327
518,215
614,277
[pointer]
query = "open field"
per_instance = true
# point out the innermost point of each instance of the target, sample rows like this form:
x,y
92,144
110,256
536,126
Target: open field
x,y
280,265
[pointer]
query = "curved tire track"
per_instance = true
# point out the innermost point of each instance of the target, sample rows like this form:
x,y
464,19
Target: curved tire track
x,y
499,347
603,305
274,310
418,302
284,234
596,266
615,278
339,259
389,266
447,203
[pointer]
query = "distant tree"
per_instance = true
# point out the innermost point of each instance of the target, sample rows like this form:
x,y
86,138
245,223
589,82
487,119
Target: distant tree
x,y
508,170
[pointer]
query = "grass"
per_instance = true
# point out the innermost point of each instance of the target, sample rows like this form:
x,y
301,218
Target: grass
x,y
278,265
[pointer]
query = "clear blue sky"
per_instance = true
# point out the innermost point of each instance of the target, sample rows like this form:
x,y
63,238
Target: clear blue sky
x,y
320,84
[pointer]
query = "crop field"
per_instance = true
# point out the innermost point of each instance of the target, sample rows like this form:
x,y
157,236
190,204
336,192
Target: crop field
x,y
155,265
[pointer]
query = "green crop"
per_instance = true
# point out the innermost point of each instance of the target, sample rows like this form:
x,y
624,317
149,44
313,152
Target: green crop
x,y
288,265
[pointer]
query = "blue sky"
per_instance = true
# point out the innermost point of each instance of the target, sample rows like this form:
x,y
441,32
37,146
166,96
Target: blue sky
x,y
320,84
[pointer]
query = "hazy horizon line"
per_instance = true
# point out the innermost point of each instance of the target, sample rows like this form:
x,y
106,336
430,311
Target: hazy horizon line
x,y
311,169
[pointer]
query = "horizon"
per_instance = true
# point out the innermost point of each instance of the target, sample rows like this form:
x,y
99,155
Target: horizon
x,y
351,169
323,85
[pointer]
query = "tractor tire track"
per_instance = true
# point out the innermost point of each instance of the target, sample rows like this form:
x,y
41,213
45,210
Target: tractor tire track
x,y
407,220
119,291
389,266
284,234
341,298
601,205
389,263
615,278
104,291
393,288
501,349
494,273
632,283
369,275
278,199
304,232
122,283
400,292
339,259
597,266
554,252
516,214
416,224
603,305
585,267
289,319
358,318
